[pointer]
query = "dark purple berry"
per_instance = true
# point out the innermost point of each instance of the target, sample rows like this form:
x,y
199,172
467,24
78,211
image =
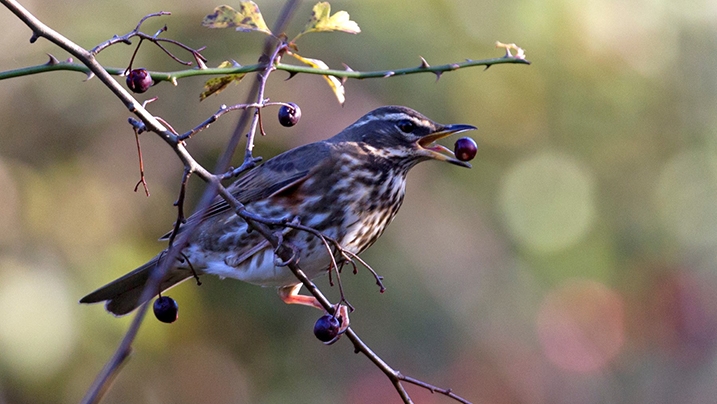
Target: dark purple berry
x,y
166,309
326,328
289,115
465,149
139,80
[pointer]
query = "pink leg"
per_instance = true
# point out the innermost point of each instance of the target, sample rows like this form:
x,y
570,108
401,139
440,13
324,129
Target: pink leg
x,y
290,295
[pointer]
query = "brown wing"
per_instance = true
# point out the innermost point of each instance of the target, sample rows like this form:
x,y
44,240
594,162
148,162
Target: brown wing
x,y
278,174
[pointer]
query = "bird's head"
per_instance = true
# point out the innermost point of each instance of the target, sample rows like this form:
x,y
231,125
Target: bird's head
x,y
401,133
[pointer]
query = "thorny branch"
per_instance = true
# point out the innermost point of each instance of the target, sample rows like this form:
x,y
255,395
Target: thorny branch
x,y
251,115
348,73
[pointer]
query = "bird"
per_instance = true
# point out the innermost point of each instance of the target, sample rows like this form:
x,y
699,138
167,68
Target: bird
x,y
348,187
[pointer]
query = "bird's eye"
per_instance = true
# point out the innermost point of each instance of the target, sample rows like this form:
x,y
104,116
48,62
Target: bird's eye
x,y
406,126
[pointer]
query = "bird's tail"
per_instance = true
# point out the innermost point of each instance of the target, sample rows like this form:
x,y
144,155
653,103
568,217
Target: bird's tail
x,y
123,295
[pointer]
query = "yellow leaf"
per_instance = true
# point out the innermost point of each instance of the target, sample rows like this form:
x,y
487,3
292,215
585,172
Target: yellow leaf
x,y
248,18
219,84
334,83
222,17
323,21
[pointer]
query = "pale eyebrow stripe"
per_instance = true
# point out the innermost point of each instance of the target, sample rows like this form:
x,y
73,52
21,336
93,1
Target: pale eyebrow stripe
x,y
396,116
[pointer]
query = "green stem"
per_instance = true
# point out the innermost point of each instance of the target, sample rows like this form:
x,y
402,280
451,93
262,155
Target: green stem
x,y
294,69
350,74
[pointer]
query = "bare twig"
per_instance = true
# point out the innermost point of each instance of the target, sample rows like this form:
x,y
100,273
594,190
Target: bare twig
x,y
432,388
142,179
223,110
179,203
126,39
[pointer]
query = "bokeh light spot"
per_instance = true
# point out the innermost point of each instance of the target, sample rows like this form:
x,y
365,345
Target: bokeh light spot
x,y
548,202
581,325
38,329
687,198
9,206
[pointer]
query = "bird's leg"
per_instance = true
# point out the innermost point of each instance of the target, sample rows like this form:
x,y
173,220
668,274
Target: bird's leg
x,y
290,295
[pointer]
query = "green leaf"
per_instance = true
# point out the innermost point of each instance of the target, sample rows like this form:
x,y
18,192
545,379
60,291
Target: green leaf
x,y
334,83
323,21
219,84
248,18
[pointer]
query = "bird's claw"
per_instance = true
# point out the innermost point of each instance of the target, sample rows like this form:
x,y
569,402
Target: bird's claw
x,y
280,241
341,313
294,256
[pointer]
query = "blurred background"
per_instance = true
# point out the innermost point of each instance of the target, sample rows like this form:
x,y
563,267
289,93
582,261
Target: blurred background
x,y
575,263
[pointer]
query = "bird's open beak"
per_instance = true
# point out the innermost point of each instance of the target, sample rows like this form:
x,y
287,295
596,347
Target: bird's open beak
x,y
439,152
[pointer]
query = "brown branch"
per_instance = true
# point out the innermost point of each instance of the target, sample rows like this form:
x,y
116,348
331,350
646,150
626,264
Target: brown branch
x,y
126,39
142,179
179,203
223,110
432,388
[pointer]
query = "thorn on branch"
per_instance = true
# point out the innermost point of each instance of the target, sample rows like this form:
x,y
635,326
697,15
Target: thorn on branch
x,y
53,60
348,69
424,64
34,37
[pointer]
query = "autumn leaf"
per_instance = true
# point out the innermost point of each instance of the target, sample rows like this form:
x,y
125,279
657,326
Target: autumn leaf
x,y
219,84
248,18
323,21
334,83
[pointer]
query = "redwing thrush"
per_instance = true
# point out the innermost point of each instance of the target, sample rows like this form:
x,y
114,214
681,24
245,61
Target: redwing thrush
x,y
348,187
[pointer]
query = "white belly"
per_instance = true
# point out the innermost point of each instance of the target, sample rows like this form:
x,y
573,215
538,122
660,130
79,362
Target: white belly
x,y
258,268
